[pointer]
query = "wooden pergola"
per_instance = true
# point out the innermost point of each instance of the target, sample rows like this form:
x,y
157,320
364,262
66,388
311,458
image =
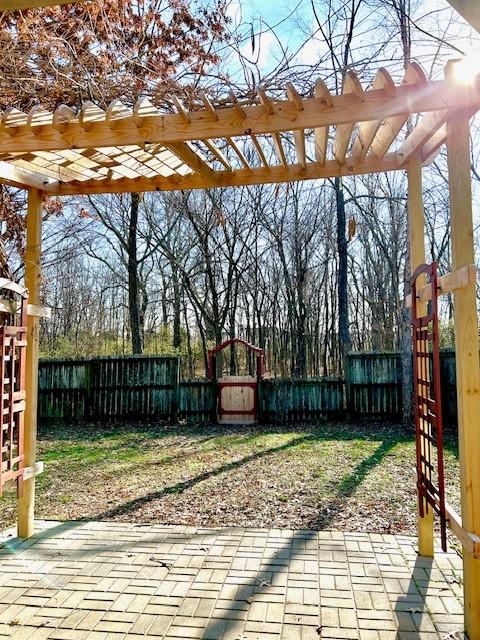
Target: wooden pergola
x,y
258,141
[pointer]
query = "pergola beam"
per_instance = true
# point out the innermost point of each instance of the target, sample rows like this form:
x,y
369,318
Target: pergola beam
x,y
469,10
466,357
343,133
368,130
423,132
193,160
321,133
299,140
345,109
258,175
431,148
18,177
391,127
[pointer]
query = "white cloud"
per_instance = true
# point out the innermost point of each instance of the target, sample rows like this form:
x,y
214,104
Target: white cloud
x,y
310,52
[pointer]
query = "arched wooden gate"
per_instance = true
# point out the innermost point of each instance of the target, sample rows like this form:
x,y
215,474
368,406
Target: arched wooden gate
x,y
237,396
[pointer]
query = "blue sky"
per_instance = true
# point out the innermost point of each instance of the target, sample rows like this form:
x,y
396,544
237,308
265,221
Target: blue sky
x,y
434,16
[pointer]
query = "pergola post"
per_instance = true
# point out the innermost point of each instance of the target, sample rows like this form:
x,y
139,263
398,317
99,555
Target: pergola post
x,y
466,357
416,226
26,504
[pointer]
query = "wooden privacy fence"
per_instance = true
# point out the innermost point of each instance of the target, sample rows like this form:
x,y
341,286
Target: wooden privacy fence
x,y
108,387
150,386
300,399
373,384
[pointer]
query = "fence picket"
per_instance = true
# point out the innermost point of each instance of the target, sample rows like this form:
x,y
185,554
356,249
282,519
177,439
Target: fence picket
x,y
150,386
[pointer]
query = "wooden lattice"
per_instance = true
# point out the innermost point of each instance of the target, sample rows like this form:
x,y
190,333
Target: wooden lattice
x,y
427,398
13,344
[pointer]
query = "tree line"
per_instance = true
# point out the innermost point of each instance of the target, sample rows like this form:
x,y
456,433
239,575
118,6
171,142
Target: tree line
x,y
179,272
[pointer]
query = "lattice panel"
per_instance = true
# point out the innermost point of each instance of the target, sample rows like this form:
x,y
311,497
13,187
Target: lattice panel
x,y
427,395
13,344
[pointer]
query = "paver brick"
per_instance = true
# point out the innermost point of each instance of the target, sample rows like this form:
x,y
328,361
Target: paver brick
x,y
232,583
298,632
305,621
348,618
340,634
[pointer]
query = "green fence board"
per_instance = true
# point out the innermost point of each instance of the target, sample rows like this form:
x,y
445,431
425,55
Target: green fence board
x,y
131,386
301,399
196,400
149,386
374,384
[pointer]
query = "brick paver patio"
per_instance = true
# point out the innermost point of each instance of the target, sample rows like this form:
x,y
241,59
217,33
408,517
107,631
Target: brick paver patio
x,y
117,581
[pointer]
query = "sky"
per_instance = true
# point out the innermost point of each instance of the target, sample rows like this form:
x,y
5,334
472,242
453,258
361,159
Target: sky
x,y
435,16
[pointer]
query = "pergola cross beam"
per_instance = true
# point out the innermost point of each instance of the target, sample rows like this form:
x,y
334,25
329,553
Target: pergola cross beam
x,y
142,149
166,128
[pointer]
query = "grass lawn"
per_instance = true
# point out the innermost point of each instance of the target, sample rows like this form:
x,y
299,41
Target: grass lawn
x,y
337,476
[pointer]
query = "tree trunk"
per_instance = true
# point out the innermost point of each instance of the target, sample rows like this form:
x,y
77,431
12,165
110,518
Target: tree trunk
x,y
177,308
406,357
133,288
342,283
191,363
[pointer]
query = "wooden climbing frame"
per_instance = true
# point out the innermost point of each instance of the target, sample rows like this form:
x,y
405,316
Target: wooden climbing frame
x,y
427,399
13,343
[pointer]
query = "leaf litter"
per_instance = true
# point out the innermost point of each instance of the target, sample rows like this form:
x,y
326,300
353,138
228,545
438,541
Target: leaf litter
x,y
350,477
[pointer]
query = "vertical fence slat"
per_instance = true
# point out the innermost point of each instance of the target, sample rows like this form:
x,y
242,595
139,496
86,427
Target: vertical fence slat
x,y
149,386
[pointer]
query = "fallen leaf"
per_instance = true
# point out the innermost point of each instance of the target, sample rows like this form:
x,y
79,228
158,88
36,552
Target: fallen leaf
x,y
160,562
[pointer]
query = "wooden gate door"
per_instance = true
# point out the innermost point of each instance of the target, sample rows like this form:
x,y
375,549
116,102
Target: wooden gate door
x,y
237,395
237,400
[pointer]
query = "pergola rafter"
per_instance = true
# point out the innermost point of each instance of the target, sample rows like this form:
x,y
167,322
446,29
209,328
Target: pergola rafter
x,y
142,149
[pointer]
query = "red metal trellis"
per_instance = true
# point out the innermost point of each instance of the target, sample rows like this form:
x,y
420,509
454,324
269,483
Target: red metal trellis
x,y
427,398
13,342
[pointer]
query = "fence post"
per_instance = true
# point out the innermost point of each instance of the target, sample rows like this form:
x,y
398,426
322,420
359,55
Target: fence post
x,y
347,383
176,392
259,401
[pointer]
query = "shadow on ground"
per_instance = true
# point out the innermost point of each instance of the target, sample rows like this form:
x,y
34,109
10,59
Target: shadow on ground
x,y
345,487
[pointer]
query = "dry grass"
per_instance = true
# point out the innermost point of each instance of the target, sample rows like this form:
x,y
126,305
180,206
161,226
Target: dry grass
x,y
338,476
